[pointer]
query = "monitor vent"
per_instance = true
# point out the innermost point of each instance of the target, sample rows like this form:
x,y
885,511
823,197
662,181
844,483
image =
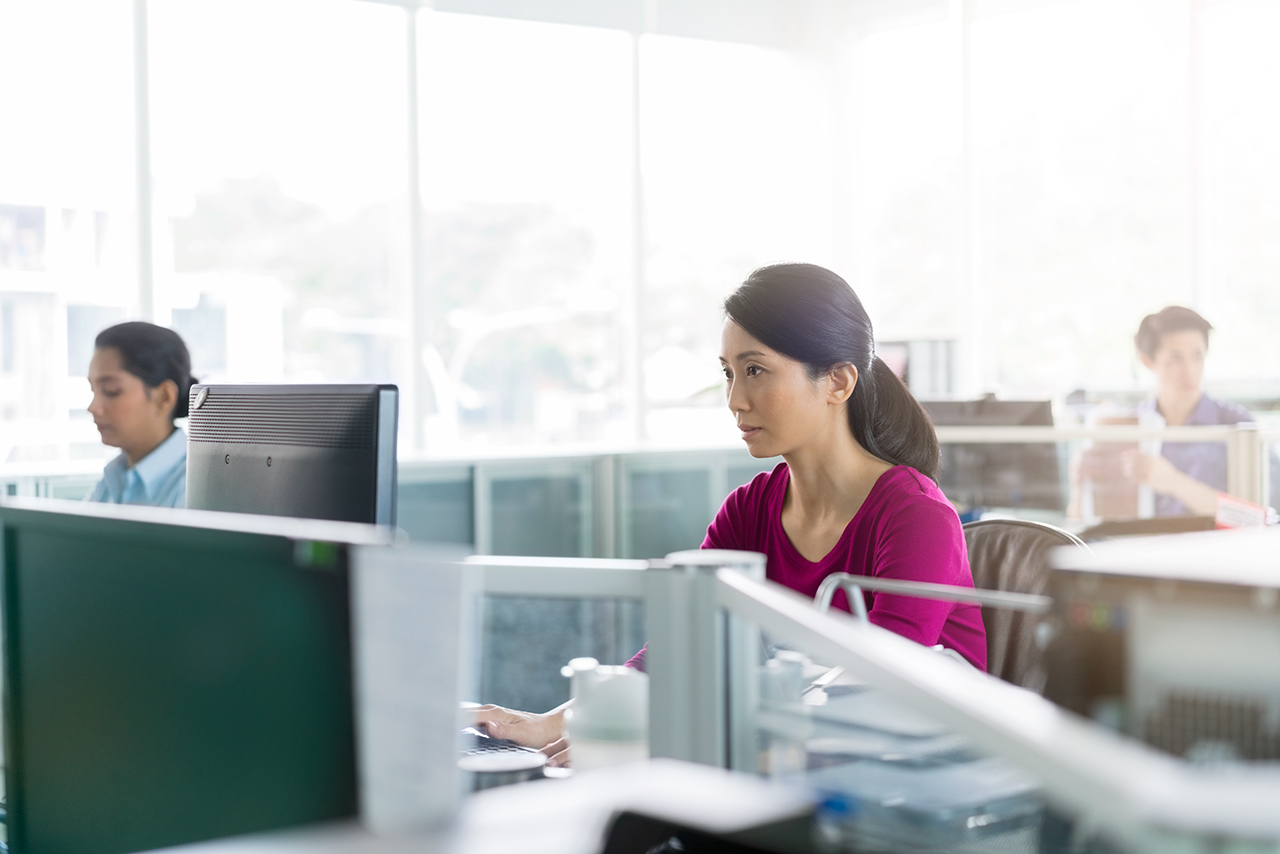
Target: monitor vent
x,y
310,420
1198,720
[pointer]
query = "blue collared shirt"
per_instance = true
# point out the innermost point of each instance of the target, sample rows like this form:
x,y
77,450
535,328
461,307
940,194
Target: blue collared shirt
x,y
159,479
1205,461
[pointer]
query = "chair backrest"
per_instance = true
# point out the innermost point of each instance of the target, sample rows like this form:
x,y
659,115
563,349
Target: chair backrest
x,y
1012,555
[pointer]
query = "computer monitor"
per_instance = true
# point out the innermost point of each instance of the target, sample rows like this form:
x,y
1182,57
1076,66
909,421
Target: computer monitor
x,y
975,476
311,451
173,676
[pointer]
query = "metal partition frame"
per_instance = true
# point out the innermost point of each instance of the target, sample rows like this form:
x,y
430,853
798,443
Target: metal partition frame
x,y
1268,450
1146,799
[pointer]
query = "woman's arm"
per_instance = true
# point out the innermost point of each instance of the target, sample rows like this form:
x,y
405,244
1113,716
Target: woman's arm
x,y
1161,475
922,541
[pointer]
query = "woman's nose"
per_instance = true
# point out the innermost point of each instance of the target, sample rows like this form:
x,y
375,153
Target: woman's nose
x,y
737,400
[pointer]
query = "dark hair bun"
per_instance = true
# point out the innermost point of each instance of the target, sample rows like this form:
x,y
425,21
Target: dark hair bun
x,y
182,408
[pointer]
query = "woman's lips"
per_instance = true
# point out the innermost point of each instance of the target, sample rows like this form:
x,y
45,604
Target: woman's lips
x,y
748,432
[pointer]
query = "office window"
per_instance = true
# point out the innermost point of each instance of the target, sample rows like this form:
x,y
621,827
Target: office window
x,y
1081,163
905,100
1239,135
737,170
525,152
280,185
66,209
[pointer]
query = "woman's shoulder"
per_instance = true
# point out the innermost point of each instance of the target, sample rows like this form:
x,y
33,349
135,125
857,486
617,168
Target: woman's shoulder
x,y
904,490
743,519
761,489
905,483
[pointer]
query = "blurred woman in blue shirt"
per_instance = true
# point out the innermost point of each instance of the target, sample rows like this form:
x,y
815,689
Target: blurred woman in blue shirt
x,y
140,375
1186,476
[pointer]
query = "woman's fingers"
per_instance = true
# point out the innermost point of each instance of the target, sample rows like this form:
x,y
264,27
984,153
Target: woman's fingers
x,y
497,722
526,728
558,753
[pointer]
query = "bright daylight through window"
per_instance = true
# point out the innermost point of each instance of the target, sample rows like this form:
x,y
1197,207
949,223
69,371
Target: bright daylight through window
x,y
528,225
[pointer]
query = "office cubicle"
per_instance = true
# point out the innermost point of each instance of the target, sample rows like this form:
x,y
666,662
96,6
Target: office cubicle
x,y
652,502
907,750
646,502
611,505
641,504
172,675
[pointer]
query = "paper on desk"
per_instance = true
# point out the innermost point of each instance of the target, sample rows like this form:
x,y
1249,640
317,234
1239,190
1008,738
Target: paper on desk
x,y
412,624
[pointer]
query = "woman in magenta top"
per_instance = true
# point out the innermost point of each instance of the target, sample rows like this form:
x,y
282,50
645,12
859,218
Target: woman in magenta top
x,y
855,492
904,529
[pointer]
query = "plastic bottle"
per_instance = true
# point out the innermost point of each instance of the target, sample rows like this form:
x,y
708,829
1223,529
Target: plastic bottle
x,y
609,721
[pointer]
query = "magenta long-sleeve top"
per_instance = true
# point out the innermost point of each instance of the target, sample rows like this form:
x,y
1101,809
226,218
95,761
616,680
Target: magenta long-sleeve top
x,y
905,529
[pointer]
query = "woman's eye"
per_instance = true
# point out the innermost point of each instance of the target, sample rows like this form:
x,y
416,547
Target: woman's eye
x,y
753,370
728,374
111,392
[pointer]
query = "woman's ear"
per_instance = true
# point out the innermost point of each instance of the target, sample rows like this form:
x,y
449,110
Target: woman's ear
x,y
163,397
1147,362
841,382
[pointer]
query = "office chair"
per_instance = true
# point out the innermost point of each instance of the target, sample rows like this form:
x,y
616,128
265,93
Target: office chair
x,y
1009,562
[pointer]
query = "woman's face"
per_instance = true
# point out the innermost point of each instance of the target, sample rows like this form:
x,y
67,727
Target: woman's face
x,y
127,414
777,407
1179,364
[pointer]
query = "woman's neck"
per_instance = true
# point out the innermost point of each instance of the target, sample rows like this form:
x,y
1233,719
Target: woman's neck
x,y
832,481
139,451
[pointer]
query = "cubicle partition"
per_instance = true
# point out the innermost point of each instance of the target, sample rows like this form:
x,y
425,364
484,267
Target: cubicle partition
x,y
902,747
905,748
643,503
1269,465
173,676
616,506
636,504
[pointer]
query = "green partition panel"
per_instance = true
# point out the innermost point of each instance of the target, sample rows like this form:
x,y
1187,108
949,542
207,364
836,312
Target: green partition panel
x,y
168,682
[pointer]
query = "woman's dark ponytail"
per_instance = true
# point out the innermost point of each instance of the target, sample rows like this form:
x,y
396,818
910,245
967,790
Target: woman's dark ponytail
x,y
810,314
153,354
182,408
901,431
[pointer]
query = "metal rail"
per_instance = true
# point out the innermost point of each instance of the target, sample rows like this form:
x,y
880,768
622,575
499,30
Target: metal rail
x,y
1150,801
852,584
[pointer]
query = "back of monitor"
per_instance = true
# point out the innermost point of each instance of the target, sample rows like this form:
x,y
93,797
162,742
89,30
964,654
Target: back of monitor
x,y
309,451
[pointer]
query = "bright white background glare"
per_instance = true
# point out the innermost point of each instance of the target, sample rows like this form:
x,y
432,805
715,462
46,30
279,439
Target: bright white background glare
x,y
1100,187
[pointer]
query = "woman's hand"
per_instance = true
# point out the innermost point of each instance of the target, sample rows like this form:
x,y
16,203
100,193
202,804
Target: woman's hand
x,y
527,728
557,753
